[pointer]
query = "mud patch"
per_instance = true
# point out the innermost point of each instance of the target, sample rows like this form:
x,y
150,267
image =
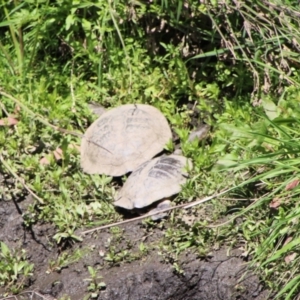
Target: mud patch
x,y
146,277
221,277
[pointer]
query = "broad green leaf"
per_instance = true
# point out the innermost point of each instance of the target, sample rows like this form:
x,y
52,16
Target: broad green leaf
x,y
270,108
5,250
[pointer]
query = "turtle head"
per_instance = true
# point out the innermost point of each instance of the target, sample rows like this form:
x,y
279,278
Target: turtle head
x,y
124,202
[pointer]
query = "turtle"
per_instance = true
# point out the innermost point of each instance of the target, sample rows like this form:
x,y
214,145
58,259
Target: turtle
x,y
123,138
154,180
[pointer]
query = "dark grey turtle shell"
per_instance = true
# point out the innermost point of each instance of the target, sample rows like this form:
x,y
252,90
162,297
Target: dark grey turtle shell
x,y
156,179
124,138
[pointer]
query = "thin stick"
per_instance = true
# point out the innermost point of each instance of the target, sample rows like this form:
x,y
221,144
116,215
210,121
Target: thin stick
x,y
240,199
21,180
184,206
3,108
71,86
28,292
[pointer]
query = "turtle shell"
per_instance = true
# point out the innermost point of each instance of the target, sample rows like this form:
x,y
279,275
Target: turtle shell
x,y
123,138
156,179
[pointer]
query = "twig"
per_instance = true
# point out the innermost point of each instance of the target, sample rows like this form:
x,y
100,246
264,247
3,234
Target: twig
x,y
20,180
239,199
184,206
284,9
48,297
71,86
3,108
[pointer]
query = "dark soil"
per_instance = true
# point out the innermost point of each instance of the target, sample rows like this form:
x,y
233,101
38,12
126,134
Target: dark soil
x,y
148,277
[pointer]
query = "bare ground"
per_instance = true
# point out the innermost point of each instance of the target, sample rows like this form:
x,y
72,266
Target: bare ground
x,y
146,277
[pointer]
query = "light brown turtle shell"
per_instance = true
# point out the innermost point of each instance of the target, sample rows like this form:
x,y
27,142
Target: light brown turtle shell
x,y
123,138
156,179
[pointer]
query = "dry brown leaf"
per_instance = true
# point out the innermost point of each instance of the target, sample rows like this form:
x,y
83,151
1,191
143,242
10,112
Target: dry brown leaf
x,y
292,184
275,203
44,161
58,153
288,239
9,121
290,257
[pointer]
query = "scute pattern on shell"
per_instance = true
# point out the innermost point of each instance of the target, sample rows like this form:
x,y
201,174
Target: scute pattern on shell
x,y
156,179
124,138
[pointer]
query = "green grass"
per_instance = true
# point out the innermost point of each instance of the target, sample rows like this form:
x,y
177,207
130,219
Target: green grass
x,y
14,268
238,65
